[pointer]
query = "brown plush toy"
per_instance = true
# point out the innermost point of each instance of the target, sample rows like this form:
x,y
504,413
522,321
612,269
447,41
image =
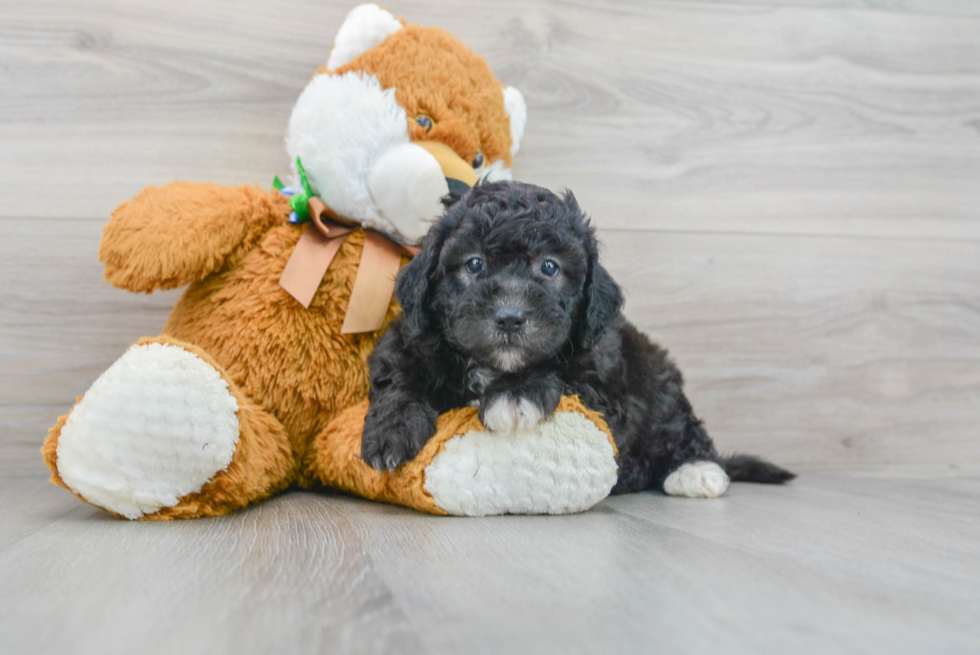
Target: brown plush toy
x,y
258,381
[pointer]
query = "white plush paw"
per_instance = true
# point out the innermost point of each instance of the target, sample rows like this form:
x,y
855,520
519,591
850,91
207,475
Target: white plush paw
x,y
408,185
697,480
562,466
508,415
156,426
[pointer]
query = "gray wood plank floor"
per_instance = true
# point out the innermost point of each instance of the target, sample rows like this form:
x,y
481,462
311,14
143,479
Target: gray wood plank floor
x,y
789,194
842,562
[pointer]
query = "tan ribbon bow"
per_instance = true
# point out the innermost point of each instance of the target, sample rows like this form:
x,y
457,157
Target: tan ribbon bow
x,y
375,282
380,260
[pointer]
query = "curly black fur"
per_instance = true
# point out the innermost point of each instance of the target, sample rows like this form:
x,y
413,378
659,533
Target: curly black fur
x,y
454,346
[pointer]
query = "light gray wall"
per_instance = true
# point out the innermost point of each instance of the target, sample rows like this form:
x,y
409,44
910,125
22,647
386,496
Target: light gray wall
x,y
789,195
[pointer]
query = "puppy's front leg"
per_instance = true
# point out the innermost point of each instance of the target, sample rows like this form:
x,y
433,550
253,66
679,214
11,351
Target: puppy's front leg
x,y
511,405
400,418
396,427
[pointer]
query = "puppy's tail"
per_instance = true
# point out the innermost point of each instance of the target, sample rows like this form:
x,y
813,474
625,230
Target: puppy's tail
x,y
749,468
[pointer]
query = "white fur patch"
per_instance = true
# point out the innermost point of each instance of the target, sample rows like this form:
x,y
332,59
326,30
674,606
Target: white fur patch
x,y
407,184
508,360
341,126
156,426
507,415
517,111
563,466
697,480
364,27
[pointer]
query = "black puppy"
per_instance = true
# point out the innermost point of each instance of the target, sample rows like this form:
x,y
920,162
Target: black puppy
x,y
507,307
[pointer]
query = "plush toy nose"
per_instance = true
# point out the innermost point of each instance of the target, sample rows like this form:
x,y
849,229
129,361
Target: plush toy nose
x,y
460,176
510,319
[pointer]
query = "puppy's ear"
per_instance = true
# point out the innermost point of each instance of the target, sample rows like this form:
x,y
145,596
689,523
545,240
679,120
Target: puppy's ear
x,y
603,300
412,285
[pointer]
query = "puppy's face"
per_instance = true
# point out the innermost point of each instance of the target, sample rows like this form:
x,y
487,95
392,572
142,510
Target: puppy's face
x,y
509,277
509,290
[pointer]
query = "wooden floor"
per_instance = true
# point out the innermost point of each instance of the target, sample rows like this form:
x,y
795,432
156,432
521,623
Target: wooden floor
x,y
841,562
789,193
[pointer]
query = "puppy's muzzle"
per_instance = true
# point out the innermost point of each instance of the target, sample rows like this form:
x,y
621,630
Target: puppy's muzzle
x,y
510,320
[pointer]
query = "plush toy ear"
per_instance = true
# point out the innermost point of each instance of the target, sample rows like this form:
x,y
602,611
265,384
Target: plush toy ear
x,y
517,111
365,27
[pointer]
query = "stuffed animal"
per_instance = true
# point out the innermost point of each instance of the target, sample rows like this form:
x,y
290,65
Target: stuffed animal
x,y
258,381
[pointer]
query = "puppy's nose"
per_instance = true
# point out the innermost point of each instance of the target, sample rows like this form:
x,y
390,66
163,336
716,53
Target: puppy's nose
x,y
510,319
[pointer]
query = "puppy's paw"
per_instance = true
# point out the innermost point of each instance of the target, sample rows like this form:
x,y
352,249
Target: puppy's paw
x,y
392,438
506,414
697,480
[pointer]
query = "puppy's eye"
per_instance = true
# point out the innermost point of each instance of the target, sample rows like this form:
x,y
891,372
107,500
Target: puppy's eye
x,y
478,160
474,265
424,122
549,268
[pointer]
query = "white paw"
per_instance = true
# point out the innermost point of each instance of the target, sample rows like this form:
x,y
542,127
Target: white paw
x,y
697,480
507,415
156,426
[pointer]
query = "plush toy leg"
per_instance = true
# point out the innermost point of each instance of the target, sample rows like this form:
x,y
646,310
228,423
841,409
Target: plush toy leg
x,y
164,434
564,465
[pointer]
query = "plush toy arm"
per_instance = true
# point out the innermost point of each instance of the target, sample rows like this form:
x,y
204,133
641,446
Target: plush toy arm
x,y
173,235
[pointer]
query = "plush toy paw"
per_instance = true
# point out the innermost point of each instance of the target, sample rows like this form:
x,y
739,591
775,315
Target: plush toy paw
x,y
697,480
156,426
561,466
